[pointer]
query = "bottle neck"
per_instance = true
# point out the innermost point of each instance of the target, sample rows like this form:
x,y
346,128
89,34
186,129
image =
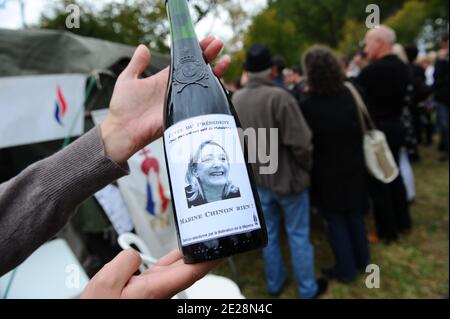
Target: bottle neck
x,y
186,51
181,26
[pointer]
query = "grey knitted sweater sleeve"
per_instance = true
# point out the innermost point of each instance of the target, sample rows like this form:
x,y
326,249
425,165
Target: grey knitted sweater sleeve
x,y
38,202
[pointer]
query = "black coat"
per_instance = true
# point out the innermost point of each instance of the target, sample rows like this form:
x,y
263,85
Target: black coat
x,y
385,87
338,174
441,81
384,84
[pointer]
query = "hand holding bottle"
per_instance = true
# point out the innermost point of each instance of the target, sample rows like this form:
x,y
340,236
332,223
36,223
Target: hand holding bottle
x,y
134,121
136,112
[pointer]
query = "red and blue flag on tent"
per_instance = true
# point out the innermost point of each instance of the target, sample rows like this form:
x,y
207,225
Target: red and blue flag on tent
x,y
60,107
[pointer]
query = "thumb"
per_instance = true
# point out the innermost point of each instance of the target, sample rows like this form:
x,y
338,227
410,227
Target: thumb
x,y
139,62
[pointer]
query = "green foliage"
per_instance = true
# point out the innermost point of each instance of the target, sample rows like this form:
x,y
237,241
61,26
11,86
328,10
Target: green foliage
x,y
410,20
279,35
289,27
129,22
235,70
238,22
322,21
353,32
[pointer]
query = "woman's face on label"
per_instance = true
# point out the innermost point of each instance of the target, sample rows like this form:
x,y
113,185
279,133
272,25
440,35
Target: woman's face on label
x,y
212,167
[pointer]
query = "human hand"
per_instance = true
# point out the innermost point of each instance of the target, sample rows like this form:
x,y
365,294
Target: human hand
x,y
135,117
164,280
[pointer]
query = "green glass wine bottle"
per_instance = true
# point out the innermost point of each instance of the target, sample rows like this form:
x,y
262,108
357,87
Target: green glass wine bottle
x,y
214,197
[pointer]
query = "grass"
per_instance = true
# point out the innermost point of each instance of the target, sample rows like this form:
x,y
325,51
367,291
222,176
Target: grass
x,y
415,267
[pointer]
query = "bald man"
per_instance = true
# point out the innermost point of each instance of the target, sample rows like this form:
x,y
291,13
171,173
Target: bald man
x,y
379,42
384,85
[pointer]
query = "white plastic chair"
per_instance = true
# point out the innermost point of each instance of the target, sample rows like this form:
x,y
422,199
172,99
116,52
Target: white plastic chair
x,y
126,240
209,287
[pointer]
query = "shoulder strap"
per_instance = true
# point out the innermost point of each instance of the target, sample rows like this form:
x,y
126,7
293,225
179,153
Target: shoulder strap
x,y
363,113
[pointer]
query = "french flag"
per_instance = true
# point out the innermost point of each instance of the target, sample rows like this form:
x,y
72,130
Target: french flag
x,y
154,187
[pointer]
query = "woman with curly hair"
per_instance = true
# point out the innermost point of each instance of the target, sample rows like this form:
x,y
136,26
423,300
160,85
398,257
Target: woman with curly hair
x,y
338,175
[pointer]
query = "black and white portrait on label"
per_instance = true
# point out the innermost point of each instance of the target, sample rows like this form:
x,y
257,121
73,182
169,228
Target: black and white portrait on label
x,y
207,176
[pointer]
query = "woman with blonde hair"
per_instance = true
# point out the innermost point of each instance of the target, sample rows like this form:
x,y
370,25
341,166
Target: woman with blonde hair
x,y
207,176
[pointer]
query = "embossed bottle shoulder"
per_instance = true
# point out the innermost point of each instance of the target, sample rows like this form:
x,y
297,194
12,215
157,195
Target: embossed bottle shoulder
x,y
189,70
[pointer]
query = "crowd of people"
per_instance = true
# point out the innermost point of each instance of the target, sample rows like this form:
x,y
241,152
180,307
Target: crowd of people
x,y
320,147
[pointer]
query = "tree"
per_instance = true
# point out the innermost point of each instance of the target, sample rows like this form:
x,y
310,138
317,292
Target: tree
x,y
235,70
238,20
323,21
416,15
414,20
279,36
351,41
129,22
266,28
291,26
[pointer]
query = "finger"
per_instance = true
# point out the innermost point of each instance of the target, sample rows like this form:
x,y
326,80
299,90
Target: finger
x,y
204,44
184,276
115,274
139,288
168,281
212,50
163,268
206,41
222,66
161,78
170,258
139,62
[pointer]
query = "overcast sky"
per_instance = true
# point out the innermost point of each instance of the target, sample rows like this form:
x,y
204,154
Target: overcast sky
x,y
10,16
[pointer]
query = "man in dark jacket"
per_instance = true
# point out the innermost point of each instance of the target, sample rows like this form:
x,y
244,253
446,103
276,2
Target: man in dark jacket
x,y
278,67
441,94
296,83
384,83
262,106
421,116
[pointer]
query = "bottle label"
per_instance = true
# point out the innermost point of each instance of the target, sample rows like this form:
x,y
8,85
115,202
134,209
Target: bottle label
x,y
211,188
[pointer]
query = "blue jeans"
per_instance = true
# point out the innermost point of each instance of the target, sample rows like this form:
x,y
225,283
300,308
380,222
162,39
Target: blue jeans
x,y
348,240
296,220
442,121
